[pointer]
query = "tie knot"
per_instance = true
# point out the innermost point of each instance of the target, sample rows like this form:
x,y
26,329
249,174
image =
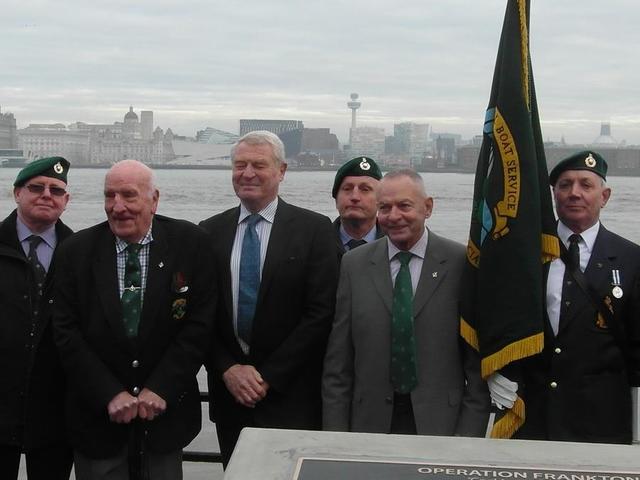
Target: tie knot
x,y
353,243
253,219
34,240
404,257
134,248
575,238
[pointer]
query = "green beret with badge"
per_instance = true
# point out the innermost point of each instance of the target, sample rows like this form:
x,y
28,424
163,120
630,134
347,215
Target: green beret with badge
x,y
356,167
585,160
53,167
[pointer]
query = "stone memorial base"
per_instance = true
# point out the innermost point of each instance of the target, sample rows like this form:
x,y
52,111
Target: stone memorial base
x,y
263,454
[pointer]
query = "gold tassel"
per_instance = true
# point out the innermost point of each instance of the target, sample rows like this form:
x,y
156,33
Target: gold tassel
x,y
514,351
510,422
550,248
469,334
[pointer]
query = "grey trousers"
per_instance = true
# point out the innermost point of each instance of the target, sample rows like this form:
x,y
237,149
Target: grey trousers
x,y
162,466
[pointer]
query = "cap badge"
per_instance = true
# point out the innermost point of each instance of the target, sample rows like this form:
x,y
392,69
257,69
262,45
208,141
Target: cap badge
x,y
364,165
58,168
590,161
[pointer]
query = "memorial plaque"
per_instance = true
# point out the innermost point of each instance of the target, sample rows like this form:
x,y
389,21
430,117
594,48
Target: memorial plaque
x,y
338,469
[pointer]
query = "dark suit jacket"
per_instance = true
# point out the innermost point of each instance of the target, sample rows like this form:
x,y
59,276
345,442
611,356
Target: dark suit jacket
x,y
341,249
32,382
169,349
357,393
292,320
591,401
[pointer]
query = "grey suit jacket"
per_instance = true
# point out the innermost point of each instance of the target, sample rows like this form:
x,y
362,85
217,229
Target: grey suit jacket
x,y
357,393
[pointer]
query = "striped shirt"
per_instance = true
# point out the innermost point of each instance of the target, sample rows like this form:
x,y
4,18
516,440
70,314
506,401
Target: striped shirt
x,y
143,254
263,228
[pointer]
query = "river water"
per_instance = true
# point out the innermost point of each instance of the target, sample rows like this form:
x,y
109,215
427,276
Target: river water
x,y
198,194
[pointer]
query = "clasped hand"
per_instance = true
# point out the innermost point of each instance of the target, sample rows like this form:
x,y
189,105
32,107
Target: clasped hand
x,y
124,407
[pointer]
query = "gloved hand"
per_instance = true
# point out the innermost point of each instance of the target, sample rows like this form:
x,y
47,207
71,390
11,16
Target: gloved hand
x,y
503,391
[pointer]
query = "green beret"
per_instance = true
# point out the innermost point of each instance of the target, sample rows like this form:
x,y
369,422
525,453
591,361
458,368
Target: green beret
x,y
356,167
54,167
585,160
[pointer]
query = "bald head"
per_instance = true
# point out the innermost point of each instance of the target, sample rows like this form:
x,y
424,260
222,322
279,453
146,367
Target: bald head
x,y
130,199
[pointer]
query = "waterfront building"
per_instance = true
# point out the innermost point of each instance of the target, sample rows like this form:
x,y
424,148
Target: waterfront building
x,y
216,137
312,147
273,126
146,124
411,138
367,141
8,131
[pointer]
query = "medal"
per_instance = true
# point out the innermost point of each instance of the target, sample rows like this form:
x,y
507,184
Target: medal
x,y
616,291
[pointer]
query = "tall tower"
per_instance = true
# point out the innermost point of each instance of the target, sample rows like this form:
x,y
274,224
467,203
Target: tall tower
x,y
354,105
146,124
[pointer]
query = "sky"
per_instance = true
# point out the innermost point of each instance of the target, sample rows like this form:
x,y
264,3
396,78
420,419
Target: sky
x,y
199,63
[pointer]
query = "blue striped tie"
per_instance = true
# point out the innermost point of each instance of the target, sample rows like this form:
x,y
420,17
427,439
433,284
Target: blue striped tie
x,y
249,278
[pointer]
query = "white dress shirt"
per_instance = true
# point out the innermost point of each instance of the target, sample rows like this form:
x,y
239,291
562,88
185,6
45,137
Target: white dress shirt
x,y
415,264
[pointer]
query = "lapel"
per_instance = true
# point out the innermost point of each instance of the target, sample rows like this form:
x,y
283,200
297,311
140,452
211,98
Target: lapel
x,y
597,273
433,272
105,275
278,248
227,237
159,271
380,272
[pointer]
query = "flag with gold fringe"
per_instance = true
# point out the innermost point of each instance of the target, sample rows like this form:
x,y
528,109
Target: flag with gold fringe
x,y
512,230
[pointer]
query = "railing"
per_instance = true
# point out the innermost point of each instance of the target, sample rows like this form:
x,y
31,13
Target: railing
x,y
202,457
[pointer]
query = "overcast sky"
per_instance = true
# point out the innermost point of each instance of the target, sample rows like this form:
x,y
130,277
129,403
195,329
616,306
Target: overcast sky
x,y
199,63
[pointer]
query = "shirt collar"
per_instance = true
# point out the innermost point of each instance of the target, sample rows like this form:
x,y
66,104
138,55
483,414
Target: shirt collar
x,y
48,235
121,245
369,237
268,213
588,236
419,249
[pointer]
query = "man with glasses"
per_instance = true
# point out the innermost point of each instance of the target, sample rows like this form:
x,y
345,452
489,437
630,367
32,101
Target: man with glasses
x,y
32,386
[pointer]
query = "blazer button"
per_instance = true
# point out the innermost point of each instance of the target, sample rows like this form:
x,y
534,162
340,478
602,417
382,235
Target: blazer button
x,y
558,350
135,364
553,384
388,400
136,390
50,301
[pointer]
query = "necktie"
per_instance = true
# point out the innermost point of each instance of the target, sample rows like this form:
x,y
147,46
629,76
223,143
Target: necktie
x,y
132,294
249,280
353,243
574,251
38,270
403,349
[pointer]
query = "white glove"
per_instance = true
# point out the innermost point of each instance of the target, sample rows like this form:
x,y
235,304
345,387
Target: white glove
x,y
503,391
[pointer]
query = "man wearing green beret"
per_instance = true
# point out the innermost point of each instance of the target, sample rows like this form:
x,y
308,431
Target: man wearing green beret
x,y
354,190
32,389
579,387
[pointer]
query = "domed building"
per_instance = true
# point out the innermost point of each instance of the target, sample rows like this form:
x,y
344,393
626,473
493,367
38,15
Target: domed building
x,y
131,125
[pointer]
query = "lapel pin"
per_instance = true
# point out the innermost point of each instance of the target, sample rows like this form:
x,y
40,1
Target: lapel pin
x,y
161,264
434,274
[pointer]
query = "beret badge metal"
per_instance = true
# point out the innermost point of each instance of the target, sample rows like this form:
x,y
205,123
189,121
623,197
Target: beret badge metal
x,y
364,165
58,168
590,161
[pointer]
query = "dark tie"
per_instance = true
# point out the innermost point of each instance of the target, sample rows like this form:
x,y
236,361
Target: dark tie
x,y
132,294
39,272
249,280
574,251
353,243
403,349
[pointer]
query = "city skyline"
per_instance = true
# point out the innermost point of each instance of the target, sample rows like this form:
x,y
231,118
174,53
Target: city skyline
x,y
199,64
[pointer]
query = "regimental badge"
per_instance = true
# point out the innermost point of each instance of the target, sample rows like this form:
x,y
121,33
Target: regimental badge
x,y
590,161
364,165
179,308
58,168
600,321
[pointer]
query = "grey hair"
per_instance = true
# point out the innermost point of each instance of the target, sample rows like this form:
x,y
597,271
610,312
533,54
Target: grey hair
x,y
151,175
410,173
262,137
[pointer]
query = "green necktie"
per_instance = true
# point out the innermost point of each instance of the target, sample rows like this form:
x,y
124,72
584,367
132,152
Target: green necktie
x,y
132,294
403,346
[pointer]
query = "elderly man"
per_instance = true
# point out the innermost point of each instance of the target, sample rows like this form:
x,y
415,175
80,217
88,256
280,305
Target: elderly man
x,y
395,363
278,278
578,388
32,380
354,190
134,305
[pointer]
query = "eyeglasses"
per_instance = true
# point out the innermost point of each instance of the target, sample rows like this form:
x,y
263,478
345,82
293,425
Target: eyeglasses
x,y
38,189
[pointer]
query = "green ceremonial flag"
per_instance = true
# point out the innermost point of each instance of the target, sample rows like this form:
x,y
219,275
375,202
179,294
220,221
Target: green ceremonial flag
x,y
513,229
